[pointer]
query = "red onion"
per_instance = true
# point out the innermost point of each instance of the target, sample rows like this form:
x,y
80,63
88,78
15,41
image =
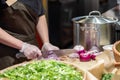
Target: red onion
x,y
93,57
85,57
50,55
53,56
81,51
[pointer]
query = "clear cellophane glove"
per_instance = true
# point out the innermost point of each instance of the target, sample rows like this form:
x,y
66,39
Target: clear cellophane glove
x,y
47,50
30,51
48,46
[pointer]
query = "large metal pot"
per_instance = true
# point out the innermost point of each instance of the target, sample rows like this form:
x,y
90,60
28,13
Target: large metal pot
x,y
93,30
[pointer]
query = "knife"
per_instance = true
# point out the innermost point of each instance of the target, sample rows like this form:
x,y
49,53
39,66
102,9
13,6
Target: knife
x,y
45,54
59,53
20,55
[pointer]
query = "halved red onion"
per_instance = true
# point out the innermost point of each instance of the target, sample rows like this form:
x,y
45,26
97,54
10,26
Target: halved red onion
x,y
85,57
81,51
93,56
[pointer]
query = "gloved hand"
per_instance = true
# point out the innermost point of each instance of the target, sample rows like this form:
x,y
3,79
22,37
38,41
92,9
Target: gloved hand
x,y
48,46
30,51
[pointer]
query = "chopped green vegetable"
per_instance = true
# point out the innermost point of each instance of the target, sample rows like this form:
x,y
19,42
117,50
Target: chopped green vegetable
x,y
107,76
43,70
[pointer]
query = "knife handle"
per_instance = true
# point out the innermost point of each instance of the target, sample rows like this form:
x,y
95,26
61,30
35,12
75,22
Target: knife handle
x,y
20,55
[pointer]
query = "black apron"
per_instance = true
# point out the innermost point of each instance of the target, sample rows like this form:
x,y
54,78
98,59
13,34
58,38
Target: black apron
x,y
19,21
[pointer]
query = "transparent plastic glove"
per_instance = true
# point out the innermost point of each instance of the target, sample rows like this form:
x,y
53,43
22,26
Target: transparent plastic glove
x,y
30,51
48,47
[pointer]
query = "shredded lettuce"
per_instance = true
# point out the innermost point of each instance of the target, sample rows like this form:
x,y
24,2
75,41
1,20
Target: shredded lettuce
x,y
43,70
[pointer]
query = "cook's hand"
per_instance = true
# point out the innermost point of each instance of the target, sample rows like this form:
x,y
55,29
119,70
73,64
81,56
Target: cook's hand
x,y
30,51
48,46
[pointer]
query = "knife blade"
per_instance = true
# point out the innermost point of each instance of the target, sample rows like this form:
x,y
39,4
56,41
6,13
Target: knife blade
x,y
45,54
59,53
21,55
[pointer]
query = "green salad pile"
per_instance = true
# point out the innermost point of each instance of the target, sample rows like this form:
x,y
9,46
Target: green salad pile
x,y
43,70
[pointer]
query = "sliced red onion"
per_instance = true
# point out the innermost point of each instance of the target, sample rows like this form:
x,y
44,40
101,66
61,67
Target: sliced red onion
x,y
49,52
52,56
81,51
93,57
85,57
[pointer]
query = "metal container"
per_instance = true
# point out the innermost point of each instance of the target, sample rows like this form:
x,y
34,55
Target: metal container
x,y
93,30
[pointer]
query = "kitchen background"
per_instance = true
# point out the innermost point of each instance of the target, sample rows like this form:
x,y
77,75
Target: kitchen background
x,y
60,13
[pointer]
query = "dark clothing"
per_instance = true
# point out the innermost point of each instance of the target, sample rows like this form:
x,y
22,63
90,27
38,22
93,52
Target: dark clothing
x,y
19,20
106,5
2,2
33,4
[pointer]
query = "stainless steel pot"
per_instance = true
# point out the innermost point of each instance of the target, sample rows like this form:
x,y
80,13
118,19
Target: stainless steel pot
x,y
93,30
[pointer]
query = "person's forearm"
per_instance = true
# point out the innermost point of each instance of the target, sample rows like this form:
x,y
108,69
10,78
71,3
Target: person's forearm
x,y
42,29
9,40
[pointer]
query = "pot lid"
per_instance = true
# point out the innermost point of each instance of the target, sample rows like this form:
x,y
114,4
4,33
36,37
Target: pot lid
x,y
95,19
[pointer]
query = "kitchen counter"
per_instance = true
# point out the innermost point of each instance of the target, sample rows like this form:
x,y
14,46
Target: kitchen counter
x,y
104,63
